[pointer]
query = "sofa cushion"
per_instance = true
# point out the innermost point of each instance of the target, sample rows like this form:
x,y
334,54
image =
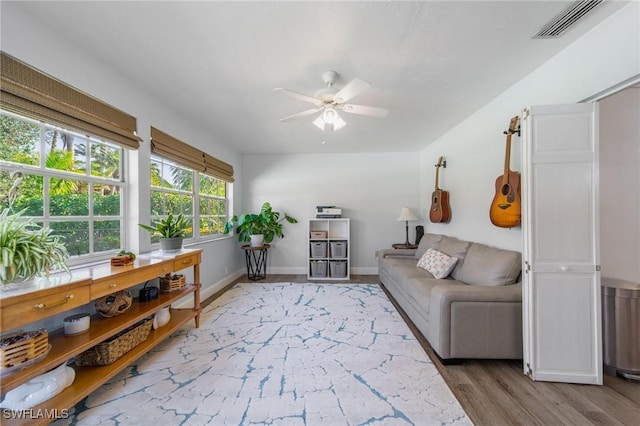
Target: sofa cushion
x,y
438,263
418,290
455,248
490,266
428,241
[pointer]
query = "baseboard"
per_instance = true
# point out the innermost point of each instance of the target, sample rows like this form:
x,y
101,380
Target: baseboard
x,y
286,270
364,271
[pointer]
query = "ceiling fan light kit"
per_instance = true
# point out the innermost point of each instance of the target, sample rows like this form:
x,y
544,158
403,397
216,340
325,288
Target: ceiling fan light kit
x,y
329,120
329,100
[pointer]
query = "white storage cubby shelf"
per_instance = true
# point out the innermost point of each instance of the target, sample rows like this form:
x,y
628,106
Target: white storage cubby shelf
x,y
329,249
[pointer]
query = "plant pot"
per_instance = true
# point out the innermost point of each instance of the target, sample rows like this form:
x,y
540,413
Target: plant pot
x,y
171,244
257,240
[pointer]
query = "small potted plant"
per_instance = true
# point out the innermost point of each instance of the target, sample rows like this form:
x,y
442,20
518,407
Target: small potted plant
x,y
259,228
171,231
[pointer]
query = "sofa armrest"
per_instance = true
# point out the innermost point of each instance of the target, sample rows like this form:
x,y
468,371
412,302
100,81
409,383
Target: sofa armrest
x,y
468,321
381,254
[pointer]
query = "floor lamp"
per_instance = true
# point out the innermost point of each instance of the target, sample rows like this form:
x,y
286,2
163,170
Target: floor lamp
x,y
407,214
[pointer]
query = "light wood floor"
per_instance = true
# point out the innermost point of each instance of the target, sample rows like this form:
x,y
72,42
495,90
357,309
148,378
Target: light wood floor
x,y
495,392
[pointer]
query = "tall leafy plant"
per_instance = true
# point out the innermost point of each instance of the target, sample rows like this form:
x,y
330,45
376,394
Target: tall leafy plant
x,y
267,223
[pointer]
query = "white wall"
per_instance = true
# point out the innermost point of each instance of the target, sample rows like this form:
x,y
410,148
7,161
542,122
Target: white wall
x,y
620,185
31,42
370,188
605,56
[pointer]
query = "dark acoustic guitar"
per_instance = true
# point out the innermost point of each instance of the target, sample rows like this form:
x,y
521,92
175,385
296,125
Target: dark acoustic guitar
x,y
440,210
505,207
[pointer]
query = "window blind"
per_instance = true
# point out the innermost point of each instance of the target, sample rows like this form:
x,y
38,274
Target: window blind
x,y
29,92
182,153
218,169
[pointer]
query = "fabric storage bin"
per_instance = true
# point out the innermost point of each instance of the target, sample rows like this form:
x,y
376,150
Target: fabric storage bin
x,y
319,269
338,248
318,235
318,249
338,268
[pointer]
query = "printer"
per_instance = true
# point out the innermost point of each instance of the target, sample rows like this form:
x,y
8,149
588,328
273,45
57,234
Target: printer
x,y
328,212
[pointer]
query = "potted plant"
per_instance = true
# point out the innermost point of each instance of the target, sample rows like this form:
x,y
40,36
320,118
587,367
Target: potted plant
x,y
251,226
27,249
171,231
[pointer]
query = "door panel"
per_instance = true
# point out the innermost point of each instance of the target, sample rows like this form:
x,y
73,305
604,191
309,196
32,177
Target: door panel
x,y
564,336
562,131
561,286
562,202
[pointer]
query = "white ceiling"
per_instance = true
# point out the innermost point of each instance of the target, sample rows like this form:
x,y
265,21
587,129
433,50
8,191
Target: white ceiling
x,y
432,64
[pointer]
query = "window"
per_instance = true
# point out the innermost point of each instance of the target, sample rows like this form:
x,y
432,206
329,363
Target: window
x,y
178,189
213,202
189,181
71,183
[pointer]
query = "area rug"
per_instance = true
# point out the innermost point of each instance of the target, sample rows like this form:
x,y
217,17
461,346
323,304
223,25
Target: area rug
x,y
282,354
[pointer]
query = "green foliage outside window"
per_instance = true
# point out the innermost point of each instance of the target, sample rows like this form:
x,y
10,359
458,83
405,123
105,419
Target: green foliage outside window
x,y
172,191
87,224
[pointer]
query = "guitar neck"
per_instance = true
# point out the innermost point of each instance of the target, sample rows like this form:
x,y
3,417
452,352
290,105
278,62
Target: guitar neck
x,y
507,160
437,177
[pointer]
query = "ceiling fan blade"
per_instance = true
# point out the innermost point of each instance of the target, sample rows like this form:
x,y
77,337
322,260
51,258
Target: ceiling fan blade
x,y
300,96
300,114
365,110
354,88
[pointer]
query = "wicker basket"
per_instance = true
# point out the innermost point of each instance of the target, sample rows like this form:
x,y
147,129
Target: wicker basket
x,y
122,260
110,350
172,283
114,304
21,346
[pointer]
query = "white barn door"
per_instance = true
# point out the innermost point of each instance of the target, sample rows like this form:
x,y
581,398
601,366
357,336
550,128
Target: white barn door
x,y
561,282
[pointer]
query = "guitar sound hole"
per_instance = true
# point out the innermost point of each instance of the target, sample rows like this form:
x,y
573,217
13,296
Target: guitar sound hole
x,y
506,189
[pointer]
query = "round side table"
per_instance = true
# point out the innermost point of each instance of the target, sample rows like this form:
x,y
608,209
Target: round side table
x,y
256,258
404,246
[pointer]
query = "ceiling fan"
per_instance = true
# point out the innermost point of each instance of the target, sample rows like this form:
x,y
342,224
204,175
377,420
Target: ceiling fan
x,y
329,100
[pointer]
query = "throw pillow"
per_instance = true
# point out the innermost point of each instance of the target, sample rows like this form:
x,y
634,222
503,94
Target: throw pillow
x,y
438,263
428,241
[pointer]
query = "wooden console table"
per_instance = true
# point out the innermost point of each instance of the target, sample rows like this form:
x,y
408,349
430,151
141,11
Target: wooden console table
x,y
63,292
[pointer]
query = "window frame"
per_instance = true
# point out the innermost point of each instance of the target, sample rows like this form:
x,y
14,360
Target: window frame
x,y
195,195
46,174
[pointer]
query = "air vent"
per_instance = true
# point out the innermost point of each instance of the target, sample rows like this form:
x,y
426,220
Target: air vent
x,y
565,19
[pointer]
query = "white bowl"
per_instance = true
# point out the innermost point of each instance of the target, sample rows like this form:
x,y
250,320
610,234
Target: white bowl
x,y
76,324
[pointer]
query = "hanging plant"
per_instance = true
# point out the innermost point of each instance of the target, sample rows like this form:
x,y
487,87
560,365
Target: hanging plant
x,y
27,249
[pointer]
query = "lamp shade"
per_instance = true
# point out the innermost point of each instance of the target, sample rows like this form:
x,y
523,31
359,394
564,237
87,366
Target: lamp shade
x,y
407,214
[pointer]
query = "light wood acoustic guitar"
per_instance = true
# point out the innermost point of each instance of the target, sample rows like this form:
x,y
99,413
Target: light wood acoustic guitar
x,y
505,207
440,210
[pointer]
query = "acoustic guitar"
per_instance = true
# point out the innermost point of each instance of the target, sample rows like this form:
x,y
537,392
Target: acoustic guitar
x,y
440,210
505,207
